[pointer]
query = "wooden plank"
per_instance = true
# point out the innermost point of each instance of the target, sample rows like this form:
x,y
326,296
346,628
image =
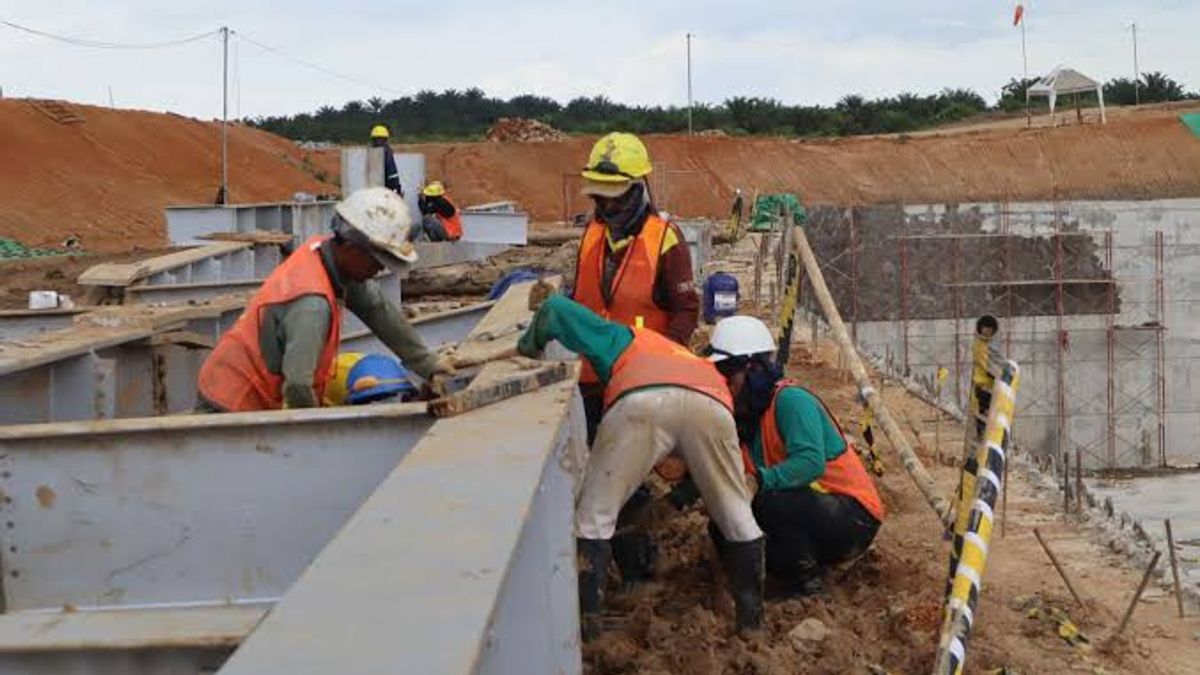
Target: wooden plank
x,y
124,274
202,627
491,388
500,329
255,237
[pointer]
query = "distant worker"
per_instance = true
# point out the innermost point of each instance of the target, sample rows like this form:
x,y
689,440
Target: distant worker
x,y
813,498
632,264
659,397
380,138
281,350
368,378
440,219
984,368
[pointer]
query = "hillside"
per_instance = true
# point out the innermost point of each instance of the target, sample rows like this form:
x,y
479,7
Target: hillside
x,y
106,179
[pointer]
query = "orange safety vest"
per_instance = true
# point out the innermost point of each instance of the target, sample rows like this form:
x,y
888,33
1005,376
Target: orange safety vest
x,y
654,360
453,224
235,376
633,285
844,475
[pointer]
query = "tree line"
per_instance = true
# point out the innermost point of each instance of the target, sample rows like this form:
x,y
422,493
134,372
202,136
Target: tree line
x,y
467,114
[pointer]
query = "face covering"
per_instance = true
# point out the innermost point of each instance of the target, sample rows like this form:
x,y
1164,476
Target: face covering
x,y
754,399
623,212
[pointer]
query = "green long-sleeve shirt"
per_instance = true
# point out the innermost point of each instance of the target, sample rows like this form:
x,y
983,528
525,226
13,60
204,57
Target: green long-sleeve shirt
x,y
580,330
293,334
811,439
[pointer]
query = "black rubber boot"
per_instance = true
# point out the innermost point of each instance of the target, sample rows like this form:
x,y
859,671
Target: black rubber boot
x,y
594,556
744,565
635,555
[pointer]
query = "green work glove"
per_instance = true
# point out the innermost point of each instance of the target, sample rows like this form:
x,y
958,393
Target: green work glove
x,y
530,345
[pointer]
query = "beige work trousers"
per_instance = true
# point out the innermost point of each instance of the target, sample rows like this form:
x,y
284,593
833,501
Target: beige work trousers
x,y
640,429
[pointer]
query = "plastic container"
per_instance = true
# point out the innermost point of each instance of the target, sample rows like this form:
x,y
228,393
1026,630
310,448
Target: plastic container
x,y
720,296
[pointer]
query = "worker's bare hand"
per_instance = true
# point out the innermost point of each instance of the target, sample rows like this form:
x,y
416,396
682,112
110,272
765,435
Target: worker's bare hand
x,y
444,365
751,485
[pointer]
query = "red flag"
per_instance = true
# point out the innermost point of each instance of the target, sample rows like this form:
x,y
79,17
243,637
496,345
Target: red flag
x,y
1020,12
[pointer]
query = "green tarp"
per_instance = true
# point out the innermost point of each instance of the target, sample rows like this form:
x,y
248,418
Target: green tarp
x,y
15,249
1192,122
769,210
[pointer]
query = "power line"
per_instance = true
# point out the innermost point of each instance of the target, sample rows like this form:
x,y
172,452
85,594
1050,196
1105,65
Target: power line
x,y
315,66
100,44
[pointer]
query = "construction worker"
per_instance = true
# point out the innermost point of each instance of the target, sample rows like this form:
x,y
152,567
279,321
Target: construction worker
x,y
984,368
281,350
360,378
632,264
813,498
658,397
440,219
380,138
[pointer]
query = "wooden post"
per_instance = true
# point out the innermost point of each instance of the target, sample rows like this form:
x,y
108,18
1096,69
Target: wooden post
x,y
1066,477
912,463
1138,595
1062,573
1174,567
1078,480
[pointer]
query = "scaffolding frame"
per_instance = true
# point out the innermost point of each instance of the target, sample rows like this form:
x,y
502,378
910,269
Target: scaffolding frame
x,y
1132,343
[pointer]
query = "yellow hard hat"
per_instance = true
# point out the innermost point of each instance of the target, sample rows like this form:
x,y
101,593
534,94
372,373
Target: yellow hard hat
x,y
434,189
379,131
338,388
616,161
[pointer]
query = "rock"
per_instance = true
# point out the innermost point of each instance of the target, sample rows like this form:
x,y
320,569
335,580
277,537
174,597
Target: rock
x,y
809,630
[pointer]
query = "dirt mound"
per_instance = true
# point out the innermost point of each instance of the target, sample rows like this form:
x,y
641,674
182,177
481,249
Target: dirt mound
x,y
106,178
516,129
1136,156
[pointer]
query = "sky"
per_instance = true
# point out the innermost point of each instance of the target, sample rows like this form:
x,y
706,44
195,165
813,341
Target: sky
x,y
631,51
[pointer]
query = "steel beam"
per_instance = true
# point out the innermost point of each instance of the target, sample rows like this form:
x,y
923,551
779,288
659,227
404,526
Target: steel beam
x,y
185,224
20,324
186,510
461,561
495,227
141,371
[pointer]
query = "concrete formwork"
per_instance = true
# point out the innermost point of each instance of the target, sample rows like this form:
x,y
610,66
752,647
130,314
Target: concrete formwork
x,y
916,277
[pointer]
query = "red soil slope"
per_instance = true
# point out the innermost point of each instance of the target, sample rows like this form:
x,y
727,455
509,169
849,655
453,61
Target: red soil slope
x,y
107,179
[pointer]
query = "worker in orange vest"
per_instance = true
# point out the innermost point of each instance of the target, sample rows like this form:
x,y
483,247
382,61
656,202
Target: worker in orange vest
x,y
658,397
281,350
633,265
440,218
813,498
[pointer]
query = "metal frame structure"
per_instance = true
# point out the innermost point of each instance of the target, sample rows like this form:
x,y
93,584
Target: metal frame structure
x,y
1089,420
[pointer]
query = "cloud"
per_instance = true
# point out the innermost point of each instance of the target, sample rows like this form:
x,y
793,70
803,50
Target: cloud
x,y
804,52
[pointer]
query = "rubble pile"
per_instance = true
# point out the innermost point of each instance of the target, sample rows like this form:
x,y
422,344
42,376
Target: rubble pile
x,y
520,130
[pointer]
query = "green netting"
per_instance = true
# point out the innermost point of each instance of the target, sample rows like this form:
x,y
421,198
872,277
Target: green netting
x,y
1192,122
10,248
769,210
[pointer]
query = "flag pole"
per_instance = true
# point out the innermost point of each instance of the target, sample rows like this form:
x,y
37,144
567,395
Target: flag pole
x,y
1025,72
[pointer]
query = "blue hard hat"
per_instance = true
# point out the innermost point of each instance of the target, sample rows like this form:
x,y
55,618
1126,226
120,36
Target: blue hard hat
x,y
376,377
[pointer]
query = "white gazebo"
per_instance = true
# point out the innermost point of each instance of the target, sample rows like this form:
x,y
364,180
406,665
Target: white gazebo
x,y
1063,80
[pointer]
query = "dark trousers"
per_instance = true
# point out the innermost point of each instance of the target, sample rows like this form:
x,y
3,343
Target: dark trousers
x,y
983,397
808,530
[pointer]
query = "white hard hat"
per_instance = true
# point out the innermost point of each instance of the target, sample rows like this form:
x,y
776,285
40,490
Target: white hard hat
x,y
382,218
740,336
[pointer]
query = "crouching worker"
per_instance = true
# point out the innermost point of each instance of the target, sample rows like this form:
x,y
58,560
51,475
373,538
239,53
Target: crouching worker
x,y
658,396
281,350
360,378
813,498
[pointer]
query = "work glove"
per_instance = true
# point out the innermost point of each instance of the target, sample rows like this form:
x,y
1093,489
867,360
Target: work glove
x,y
528,344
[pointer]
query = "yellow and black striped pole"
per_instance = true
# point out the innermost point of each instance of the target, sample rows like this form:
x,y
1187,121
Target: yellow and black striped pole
x,y
967,578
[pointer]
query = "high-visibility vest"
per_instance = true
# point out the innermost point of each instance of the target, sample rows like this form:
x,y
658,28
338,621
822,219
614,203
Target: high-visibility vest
x,y
844,475
453,224
235,376
654,360
633,284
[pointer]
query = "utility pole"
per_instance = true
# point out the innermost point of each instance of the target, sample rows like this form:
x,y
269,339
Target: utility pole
x,y
223,193
1137,76
689,81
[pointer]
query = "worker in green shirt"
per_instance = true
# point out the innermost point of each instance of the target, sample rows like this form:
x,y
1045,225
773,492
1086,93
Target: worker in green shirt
x,y
813,499
658,397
